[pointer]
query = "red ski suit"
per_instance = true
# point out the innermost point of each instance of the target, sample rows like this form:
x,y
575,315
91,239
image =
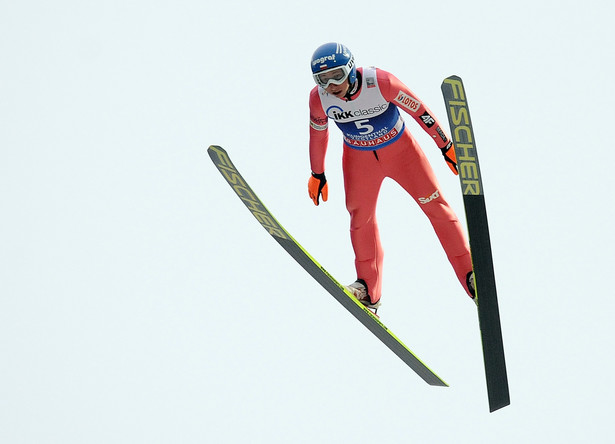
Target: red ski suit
x,y
377,144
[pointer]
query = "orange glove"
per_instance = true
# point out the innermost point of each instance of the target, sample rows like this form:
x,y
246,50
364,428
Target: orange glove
x,y
451,158
317,186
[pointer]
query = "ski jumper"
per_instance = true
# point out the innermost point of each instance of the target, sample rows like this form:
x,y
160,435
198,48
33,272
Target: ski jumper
x,y
377,144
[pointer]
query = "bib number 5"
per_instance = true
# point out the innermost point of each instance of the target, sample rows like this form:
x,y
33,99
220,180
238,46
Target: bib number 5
x,y
363,126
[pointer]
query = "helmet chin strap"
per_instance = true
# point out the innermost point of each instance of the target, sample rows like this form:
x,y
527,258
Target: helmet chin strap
x,y
353,88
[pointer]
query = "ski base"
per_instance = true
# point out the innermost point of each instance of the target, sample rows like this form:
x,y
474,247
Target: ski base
x,y
480,244
369,319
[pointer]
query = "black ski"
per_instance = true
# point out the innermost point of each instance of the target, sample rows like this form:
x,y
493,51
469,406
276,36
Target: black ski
x,y
480,244
222,161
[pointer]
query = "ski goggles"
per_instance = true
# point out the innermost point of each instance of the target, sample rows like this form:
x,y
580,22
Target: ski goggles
x,y
335,76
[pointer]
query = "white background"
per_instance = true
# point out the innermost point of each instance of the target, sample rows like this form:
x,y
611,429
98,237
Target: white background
x,y
141,302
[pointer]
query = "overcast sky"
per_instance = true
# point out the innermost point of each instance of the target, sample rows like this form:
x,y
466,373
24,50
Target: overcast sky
x,y
141,302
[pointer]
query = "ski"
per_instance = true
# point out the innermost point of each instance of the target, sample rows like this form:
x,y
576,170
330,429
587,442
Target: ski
x,y
480,244
222,161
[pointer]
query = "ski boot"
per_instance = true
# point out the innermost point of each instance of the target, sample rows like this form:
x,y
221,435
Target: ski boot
x,y
359,291
471,286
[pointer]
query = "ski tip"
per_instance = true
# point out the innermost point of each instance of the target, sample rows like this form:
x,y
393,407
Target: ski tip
x,y
453,77
217,152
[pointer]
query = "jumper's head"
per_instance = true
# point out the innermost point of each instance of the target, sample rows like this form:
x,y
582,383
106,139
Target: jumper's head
x,y
333,63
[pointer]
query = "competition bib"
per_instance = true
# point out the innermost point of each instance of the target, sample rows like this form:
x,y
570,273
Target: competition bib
x,y
368,122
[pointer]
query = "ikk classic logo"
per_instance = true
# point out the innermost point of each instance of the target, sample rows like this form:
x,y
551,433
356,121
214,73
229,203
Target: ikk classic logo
x,y
338,114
